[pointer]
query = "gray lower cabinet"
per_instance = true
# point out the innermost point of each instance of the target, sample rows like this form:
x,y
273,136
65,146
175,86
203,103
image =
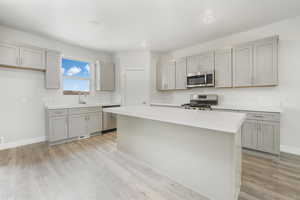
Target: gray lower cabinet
x,y
250,134
77,125
57,128
94,122
85,124
64,124
261,131
268,138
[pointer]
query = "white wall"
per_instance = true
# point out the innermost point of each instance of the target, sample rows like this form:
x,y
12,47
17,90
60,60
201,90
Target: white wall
x,y
127,61
144,59
286,95
23,92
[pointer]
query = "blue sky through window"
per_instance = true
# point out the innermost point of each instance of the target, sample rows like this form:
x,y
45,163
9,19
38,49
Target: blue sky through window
x,y
72,70
76,85
75,68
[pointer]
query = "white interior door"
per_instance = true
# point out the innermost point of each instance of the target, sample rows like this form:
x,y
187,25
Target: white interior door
x,y
135,87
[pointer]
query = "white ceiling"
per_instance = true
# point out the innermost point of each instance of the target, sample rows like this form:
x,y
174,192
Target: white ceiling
x,y
159,25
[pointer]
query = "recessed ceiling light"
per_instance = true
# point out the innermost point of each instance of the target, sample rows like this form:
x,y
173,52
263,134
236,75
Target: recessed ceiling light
x,y
208,17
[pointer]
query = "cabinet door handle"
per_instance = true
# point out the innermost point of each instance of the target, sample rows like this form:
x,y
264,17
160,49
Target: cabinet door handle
x,y
21,61
259,116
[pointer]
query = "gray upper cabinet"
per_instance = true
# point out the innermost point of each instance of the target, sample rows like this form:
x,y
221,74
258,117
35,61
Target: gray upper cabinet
x,y
200,63
94,121
170,75
255,63
105,76
193,64
58,128
252,64
32,58
22,56
265,66
223,68
242,66
166,70
53,65
180,82
9,54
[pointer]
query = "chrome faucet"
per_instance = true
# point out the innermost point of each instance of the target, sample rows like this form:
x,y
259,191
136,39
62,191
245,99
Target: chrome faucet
x,y
82,98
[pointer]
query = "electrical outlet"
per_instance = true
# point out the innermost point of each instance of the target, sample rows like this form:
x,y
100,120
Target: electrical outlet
x,y
1,140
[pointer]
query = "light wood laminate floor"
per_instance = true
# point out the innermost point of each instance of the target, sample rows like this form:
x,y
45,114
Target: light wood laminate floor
x,y
90,169
93,169
270,179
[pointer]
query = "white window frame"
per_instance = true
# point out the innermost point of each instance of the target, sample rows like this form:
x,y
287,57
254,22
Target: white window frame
x,y
70,92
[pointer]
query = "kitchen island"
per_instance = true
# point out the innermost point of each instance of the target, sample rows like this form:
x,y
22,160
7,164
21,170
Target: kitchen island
x,y
199,149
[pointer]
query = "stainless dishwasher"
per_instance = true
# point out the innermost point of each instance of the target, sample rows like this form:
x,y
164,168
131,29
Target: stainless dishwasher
x,y
109,120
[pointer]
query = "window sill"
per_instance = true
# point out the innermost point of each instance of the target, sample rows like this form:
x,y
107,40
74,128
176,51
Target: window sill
x,y
69,92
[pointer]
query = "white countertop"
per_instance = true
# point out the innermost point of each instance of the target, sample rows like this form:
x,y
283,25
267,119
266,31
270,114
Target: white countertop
x,y
257,108
274,109
65,106
218,121
165,104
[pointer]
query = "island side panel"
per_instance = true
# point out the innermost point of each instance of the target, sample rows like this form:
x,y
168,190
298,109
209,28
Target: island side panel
x,y
238,164
202,160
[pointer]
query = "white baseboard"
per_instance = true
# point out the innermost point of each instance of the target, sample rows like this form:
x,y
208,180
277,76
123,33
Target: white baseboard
x,y
10,145
289,149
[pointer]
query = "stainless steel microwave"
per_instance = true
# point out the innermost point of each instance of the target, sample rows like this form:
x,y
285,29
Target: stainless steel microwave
x,y
201,79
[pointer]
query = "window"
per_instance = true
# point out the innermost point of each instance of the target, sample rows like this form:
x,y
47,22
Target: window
x,y
76,77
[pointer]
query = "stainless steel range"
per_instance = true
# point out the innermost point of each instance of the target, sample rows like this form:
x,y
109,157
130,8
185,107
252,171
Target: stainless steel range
x,y
201,102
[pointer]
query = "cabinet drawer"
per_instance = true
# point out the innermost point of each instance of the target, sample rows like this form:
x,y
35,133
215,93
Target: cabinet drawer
x,y
76,111
263,116
94,109
57,112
